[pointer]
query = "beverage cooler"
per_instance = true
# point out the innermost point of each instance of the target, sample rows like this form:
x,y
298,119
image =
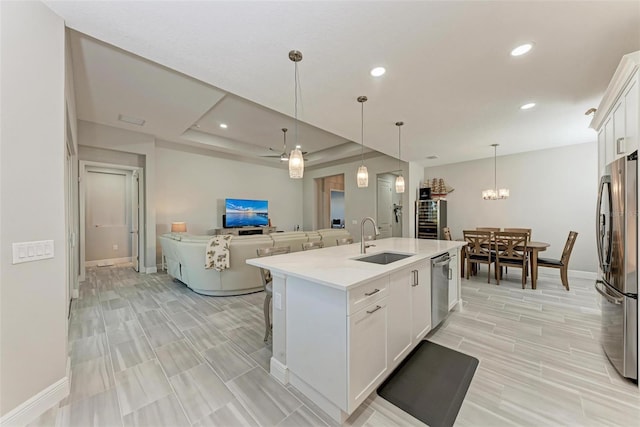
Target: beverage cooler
x,y
431,218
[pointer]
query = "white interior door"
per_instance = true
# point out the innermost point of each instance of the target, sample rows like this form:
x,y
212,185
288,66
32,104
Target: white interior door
x,y
385,208
135,220
107,222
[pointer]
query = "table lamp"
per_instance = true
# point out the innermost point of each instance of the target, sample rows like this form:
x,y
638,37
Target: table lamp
x,y
178,227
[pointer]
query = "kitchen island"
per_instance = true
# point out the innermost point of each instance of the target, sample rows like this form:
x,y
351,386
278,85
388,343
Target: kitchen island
x,y
341,325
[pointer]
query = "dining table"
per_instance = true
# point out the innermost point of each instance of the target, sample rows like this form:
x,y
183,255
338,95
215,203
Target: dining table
x,y
533,248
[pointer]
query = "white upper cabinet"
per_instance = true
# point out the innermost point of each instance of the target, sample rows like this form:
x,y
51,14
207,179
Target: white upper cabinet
x,y
616,119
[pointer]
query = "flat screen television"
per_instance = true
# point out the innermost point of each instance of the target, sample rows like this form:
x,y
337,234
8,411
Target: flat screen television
x,y
246,213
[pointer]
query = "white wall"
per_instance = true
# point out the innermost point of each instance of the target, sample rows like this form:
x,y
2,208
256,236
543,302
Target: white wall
x,y
192,185
33,328
107,137
359,202
552,192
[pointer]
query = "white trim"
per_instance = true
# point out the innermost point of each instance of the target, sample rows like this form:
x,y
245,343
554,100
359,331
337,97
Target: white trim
x,y
151,270
37,405
76,294
122,260
279,371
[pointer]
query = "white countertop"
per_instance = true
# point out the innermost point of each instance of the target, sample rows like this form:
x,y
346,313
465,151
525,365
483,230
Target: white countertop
x,y
335,266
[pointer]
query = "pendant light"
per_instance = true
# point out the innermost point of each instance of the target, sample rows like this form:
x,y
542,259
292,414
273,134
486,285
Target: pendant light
x,y
399,178
363,175
296,162
494,193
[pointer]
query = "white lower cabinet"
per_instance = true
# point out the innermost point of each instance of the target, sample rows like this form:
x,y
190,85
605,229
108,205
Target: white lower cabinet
x,y
367,334
421,301
399,322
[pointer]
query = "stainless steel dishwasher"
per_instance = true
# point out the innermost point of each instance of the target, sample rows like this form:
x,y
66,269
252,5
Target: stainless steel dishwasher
x,y
440,275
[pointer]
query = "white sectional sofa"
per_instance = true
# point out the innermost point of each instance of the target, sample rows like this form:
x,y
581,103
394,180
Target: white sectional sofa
x,y
185,259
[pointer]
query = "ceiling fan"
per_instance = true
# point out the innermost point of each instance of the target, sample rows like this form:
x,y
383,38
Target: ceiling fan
x,y
284,156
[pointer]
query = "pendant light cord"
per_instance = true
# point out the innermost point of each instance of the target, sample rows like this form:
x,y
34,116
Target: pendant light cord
x,y
362,131
295,79
399,152
495,173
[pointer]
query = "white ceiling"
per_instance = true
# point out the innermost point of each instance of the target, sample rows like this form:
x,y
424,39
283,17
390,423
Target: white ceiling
x,y
450,77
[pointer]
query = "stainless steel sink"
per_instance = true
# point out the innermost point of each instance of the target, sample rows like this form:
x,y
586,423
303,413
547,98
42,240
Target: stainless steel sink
x,y
384,258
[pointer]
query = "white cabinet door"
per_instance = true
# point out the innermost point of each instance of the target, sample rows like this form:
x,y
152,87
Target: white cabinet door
x,y
367,350
631,104
421,302
399,323
454,279
618,139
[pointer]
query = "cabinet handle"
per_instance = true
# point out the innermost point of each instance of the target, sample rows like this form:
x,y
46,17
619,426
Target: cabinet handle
x,y
416,282
450,273
374,310
375,291
619,142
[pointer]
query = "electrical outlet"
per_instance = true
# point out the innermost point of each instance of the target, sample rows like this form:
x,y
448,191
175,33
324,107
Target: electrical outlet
x,y
115,247
277,301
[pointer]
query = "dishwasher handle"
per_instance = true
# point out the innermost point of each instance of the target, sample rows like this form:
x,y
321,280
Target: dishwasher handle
x,y
440,261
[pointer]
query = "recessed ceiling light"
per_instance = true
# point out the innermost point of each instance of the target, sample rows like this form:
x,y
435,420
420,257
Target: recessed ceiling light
x,y
432,157
522,49
528,106
131,120
378,71
223,125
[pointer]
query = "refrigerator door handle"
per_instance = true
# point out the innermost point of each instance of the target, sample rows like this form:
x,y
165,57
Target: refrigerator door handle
x,y
608,297
601,224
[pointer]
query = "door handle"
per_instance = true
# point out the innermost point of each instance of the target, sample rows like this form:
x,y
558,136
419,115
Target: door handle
x,y
608,297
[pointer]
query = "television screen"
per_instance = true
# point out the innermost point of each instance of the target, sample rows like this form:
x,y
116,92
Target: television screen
x,y
246,213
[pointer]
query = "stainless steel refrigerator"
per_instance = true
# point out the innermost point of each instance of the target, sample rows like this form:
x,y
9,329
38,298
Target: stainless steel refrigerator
x,y
617,239
431,218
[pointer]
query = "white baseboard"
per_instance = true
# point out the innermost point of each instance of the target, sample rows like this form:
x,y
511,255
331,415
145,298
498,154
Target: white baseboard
x,y
110,261
37,405
279,371
151,270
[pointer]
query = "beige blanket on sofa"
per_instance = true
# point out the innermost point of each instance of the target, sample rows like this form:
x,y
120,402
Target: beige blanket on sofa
x,y
217,254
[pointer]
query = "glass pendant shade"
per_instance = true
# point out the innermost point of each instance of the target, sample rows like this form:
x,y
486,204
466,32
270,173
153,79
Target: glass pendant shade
x,y
400,184
296,164
362,177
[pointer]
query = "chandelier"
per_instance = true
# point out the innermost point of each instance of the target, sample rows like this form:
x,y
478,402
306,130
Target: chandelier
x,y
495,193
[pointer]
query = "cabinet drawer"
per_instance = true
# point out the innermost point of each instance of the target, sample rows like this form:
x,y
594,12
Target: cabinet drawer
x,y
368,293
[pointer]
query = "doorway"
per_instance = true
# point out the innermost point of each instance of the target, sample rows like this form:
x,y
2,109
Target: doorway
x,y
111,227
330,201
388,207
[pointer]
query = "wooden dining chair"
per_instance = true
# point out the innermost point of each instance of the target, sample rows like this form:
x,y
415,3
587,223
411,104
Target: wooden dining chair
x,y
518,230
446,231
306,246
344,241
563,262
491,229
267,282
478,250
511,251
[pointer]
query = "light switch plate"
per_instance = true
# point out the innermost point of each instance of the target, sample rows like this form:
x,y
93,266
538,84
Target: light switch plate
x,y
277,301
32,251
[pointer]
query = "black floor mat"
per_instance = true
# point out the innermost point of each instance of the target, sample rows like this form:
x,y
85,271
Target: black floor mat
x,y
430,384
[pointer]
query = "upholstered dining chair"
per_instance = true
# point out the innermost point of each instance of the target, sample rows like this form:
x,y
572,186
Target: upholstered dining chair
x,y
563,262
267,282
306,246
478,250
344,241
511,251
446,231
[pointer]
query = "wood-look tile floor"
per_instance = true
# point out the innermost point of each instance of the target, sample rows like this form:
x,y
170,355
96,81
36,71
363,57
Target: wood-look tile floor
x,y
147,351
